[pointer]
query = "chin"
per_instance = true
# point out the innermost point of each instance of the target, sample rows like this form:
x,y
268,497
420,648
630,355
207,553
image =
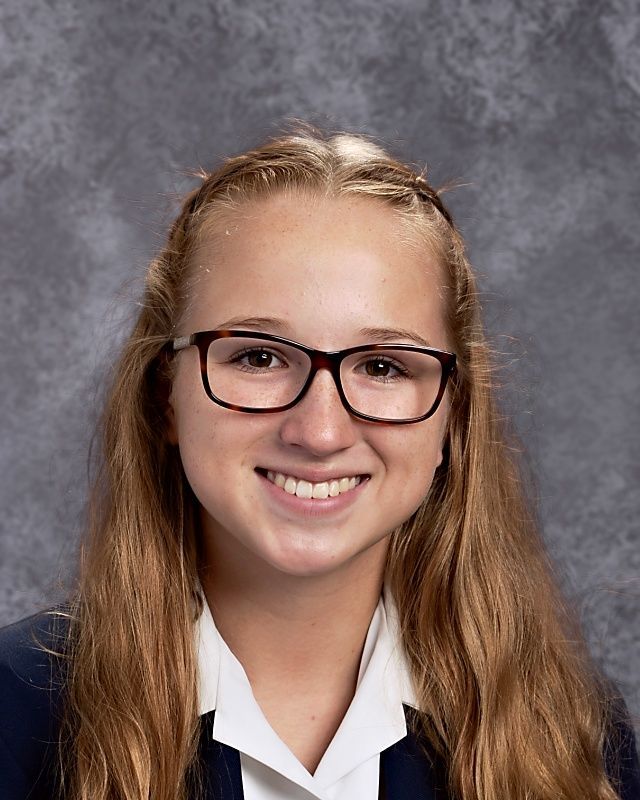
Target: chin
x,y
306,565
310,561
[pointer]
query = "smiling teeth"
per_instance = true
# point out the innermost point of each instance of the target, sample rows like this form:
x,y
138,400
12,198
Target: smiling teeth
x,y
318,491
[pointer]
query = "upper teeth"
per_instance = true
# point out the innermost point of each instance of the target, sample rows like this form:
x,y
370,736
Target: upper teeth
x,y
320,491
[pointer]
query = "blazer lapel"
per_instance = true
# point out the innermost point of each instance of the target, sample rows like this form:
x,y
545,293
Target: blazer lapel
x,y
221,772
406,770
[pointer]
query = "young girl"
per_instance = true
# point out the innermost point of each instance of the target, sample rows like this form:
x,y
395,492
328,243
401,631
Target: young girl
x,y
311,571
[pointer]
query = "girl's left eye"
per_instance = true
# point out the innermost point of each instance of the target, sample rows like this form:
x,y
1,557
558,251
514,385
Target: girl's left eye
x,y
383,368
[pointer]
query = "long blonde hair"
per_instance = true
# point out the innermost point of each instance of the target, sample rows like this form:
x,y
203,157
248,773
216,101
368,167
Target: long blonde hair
x,y
509,699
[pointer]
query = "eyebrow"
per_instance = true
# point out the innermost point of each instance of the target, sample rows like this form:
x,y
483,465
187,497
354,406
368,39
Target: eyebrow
x,y
260,323
279,326
393,335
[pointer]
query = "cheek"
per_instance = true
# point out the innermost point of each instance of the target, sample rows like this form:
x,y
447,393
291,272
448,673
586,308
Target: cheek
x,y
214,444
194,419
203,444
206,463
194,429
412,458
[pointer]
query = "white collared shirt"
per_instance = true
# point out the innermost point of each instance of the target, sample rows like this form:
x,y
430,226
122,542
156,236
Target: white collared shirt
x,y
350,766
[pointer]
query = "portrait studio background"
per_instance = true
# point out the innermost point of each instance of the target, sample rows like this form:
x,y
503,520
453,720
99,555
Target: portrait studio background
x,y
532,106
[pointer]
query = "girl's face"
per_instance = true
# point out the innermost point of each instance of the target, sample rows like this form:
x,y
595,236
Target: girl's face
x,y
330,274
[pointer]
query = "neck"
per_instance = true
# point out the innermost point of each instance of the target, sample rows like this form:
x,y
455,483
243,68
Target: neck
x,y
306,629
299,638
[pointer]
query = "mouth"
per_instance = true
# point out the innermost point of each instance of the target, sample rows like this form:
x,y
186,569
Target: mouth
x,y
322,490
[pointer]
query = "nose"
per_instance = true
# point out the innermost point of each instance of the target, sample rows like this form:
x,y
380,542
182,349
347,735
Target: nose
x,y
319,422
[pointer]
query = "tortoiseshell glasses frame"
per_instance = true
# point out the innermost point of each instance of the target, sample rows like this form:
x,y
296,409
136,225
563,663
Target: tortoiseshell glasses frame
x,y
318,359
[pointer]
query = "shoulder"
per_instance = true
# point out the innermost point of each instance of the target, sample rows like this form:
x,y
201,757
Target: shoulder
x,y
32,661
31,687
23,643
621,753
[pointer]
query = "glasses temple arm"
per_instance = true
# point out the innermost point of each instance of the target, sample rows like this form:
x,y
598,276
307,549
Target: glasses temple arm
x,y
181,342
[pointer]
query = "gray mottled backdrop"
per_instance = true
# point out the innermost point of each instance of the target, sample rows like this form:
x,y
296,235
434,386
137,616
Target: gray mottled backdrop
x,y
533,105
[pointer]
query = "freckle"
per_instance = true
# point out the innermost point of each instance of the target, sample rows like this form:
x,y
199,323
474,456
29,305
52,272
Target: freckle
x,y
313,717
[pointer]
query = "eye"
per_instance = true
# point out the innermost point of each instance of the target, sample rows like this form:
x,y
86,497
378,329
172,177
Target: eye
x,y
378,368
384,369
257,359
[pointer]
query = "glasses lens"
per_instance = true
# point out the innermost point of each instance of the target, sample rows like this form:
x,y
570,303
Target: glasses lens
x,y
255,373
391,384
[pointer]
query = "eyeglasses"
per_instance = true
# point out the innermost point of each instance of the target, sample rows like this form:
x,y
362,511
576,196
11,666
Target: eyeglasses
x,y
261,374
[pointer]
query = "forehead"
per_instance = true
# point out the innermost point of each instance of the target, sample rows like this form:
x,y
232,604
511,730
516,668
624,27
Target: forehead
x,y
326,267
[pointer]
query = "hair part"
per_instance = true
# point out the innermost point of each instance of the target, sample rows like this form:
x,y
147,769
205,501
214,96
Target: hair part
x,y
508,696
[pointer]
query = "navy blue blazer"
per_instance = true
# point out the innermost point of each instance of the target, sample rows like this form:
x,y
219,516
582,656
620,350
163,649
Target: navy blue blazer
x,y
31,698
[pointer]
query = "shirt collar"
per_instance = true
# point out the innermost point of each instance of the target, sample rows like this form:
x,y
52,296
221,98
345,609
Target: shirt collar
x,y
374,721
208,643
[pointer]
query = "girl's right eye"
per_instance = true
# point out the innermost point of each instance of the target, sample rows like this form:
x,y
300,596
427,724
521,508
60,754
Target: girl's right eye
x,y
257,359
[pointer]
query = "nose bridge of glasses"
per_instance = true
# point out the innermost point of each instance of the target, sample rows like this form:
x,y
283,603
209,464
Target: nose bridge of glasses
x,y
328,361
